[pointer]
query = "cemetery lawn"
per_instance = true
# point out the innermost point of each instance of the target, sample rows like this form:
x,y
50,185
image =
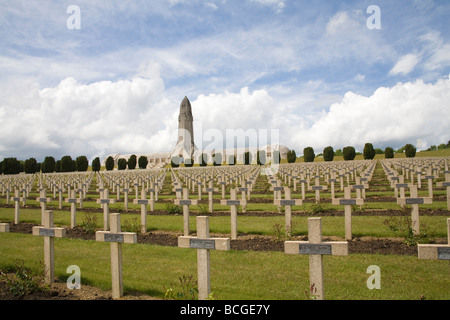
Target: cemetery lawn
x,y
247,275
333,225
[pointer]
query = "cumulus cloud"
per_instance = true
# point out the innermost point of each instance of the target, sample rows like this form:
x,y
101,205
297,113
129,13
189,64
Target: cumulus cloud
x,y
87,119
389,117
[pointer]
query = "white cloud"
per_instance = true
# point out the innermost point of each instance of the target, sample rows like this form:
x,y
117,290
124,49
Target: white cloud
x,y
405,64
391,116
86,119
277,5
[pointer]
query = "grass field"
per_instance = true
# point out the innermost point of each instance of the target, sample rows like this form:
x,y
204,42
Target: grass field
x,y
246,275
241,274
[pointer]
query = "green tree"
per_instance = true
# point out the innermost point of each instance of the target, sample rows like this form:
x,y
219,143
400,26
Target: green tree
x,y
10,166
261,157
247,158
276,157
109,163
30,166
175,162
308,154
328,153
142,162
202,160
82,163
231,160
369,151
410,151
188,162
291,156
58,166
49,165
67,164
389,153
132,161
121,164
349,153
96,165
217,159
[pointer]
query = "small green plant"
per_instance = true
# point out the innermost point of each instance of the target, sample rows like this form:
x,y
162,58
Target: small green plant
x,y
173,209
89,222
132,225
23,282
278,230
188,291
317,208
312,294
403,226
203,209
358,209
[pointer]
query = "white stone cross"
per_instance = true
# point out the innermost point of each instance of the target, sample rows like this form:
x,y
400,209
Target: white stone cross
x,y
203,243
358,186
233,203
143,201
446,184
116,238
414,201
43,201
185,202
287,202
73,209
317,188
210,191
16,200
105,201
348,202
315,248
435,251
49,232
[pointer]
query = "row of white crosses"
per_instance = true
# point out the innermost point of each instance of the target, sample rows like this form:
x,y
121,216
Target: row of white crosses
x,y
314,247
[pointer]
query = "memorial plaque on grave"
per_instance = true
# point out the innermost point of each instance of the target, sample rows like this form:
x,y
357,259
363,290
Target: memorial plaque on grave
x,y
233,202
113,237
46,232
202,244
142,201
312,248
285,202
185,202
347,202
444,253
414,201
402,185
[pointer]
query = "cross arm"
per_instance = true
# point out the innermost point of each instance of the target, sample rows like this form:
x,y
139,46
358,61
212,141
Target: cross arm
x,y
107,236
343,202
288,202
426,200
49,232
335,248
434,251
210,243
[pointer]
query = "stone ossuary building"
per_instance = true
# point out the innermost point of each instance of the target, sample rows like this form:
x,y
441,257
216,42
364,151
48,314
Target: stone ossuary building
x,y
185,146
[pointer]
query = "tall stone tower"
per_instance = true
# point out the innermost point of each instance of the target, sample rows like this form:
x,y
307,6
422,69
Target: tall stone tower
x,y
185,146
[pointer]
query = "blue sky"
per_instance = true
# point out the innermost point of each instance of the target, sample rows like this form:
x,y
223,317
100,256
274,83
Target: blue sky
x,y
312,70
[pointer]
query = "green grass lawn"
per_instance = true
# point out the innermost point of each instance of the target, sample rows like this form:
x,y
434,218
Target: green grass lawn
x,y
332,225
247,275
